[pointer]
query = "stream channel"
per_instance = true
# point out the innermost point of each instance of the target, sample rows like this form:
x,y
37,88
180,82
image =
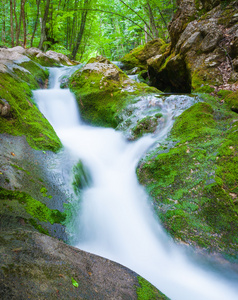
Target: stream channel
x,y
116,218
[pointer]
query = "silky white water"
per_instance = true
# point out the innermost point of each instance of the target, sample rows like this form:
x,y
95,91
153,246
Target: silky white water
x,y
116,220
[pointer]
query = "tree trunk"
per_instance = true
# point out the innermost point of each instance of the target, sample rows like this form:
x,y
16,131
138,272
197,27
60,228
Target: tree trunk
x,y
152,21
23,2
16,22
43,25
3,23
11,20
81,30
80,34
36,21
19,25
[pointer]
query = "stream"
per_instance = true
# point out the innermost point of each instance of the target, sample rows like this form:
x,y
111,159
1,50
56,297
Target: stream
x,y
116,219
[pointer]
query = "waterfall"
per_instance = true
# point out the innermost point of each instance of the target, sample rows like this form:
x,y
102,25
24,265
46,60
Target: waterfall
x,y
116,219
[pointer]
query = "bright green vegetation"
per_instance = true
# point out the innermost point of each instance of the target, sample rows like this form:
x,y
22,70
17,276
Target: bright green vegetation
x,y
22,205
82,29
146,291
44,192
232,100
194,184
103,97
82,177
25,118
35,76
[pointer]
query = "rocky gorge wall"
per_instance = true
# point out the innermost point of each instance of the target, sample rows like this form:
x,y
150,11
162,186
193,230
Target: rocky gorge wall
x,y
202,54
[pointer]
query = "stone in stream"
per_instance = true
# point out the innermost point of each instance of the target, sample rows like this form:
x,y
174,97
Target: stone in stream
x,y
103,91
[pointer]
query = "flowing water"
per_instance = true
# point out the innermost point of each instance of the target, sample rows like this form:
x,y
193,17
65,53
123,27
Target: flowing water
x,y
116,220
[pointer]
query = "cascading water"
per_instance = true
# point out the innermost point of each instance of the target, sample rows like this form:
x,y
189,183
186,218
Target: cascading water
x,y
116,220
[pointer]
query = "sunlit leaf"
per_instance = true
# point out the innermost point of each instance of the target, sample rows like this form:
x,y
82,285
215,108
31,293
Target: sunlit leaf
x,y
74,283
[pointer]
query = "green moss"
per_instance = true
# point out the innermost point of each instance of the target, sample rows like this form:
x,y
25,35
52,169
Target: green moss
x,y
223,93
194,121
33,207
38,227
201,83
21,169
131,60
194,184
146,125
25,118
44,192
146,291
35,76
138,56
82,177
45,61
232,101
102,98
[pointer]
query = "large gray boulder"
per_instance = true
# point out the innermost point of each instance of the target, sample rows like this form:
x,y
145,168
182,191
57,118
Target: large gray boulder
x,y
36,266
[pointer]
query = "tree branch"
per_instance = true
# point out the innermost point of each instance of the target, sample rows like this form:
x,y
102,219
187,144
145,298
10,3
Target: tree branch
x,y
137,15
114,13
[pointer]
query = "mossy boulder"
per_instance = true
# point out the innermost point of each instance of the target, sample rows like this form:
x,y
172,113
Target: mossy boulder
x,y
232,101
16,81
194,183
49,59
146,125
103,90
138,57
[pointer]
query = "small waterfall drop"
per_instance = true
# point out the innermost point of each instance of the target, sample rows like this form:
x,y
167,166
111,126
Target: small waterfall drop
x,y
116,220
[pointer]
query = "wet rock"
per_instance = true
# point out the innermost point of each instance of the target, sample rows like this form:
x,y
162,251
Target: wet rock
x,y
5,108
37,266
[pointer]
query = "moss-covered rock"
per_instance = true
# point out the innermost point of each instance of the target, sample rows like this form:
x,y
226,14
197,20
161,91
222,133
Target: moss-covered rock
x,y
25,118
103,90
138,57
232,100
19,209
146,291
194,184
146,125
48,59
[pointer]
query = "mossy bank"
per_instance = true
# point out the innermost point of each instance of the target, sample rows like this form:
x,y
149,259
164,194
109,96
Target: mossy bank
x,y
193,183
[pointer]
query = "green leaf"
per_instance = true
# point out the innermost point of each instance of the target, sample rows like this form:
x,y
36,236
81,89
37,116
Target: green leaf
x,y
74,283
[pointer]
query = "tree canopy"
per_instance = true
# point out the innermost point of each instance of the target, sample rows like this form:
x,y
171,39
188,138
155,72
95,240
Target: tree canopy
x,y
83,28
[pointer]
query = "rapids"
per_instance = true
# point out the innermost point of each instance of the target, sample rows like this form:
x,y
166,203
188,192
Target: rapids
x,y
116,219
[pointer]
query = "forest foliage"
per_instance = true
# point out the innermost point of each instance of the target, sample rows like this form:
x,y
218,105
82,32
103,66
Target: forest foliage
x,y
84,28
